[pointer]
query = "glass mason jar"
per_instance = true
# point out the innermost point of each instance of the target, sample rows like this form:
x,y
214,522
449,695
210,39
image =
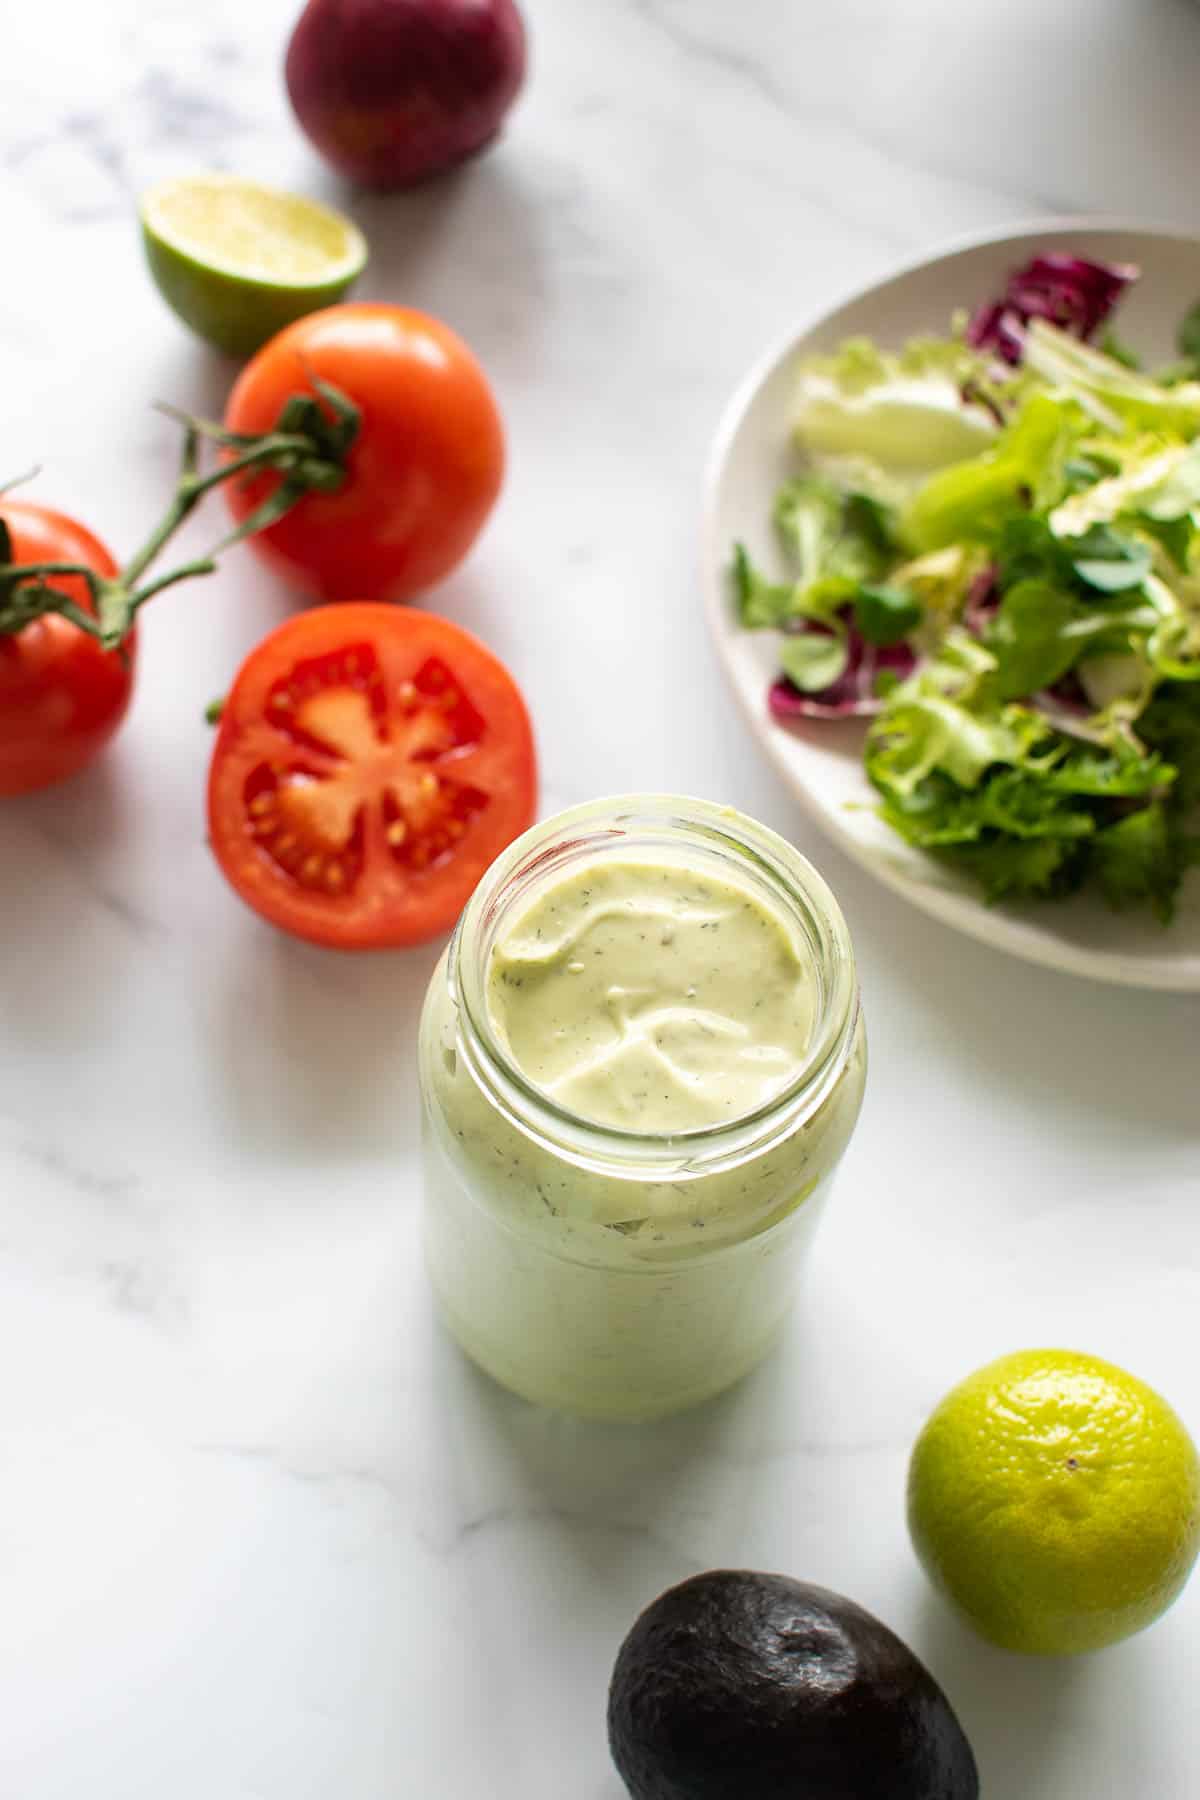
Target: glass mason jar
x,y
605,1271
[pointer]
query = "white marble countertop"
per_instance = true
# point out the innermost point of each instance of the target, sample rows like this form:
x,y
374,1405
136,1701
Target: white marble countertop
x,y
263,1534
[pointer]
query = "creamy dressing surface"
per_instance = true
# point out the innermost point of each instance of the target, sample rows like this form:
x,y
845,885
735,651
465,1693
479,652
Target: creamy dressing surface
x,y
658,997
652,997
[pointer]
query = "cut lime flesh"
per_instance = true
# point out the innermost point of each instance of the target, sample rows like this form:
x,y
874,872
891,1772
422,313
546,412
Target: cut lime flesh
x,y
237,261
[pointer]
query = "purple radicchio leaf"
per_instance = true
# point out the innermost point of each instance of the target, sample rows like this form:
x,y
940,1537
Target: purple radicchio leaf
x,y
853,694
1071,292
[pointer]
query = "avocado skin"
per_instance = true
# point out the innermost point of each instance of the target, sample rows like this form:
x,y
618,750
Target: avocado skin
x,y
739,1686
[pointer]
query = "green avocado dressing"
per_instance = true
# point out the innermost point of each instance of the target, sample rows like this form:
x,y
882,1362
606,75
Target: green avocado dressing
x,y
651,997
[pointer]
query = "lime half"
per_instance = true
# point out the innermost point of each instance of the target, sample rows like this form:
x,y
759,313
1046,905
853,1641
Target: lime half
x,y
237,261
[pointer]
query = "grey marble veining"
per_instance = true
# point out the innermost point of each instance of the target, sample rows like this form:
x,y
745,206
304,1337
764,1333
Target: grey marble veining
x,y
263,1534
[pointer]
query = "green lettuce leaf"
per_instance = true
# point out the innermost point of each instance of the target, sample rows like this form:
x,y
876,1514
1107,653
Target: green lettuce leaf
x,y
1139,861
1170,726
939,583
1041,631
886,615
1108,775
1172,646
1110,561
924,732
830,534
902,410
992,789
1026,468
1029,640
1069,491
1100,557
1117,397
945,718
1021,868
1163,486
814,661
939,812
760,602
836,541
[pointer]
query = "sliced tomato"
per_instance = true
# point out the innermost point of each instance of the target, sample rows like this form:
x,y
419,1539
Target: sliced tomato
x,y
371,762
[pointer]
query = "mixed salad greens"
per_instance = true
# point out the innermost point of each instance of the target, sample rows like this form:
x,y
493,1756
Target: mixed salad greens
x,y
993,547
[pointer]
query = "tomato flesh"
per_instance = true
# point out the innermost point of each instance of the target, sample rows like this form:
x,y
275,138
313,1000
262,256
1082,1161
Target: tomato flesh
x,y
370,764
61,696
312,823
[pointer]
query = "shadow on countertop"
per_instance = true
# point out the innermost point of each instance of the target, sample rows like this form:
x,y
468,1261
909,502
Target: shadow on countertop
x,y
1029,1718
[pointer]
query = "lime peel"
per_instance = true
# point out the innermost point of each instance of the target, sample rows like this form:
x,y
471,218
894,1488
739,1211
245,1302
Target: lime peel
x,y
237,261
1055,1499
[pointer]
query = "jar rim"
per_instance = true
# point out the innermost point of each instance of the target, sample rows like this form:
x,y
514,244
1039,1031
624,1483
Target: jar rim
x,y
635,819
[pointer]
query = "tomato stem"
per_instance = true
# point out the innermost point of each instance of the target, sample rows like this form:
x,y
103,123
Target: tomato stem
x,y
308,447
29,602
204,565
182,503
60,568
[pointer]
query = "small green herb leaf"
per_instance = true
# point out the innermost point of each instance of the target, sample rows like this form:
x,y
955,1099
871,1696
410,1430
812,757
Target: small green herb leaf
x,y
886,615
1027,638
760,602
1136,862
867,518
1108,560
1112,577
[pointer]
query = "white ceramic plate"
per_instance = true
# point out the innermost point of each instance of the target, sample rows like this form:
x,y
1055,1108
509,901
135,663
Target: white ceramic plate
x,y
822,761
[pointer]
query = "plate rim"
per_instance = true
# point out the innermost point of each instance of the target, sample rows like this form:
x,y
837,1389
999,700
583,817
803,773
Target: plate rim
x,y
973,919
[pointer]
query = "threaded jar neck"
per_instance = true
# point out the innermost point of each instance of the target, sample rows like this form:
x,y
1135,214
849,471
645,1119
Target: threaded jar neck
x,y
698,836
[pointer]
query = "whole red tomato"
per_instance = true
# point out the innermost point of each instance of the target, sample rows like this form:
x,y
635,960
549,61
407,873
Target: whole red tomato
x,y
422,474
61,695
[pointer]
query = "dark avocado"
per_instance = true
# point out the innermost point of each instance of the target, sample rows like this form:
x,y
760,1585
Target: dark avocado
x,y
737,1686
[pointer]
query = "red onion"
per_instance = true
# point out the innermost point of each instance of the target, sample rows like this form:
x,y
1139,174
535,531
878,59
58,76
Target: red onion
x,y
392,91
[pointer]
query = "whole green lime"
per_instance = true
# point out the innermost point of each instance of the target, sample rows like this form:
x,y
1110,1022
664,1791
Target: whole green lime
x,y
1056,1500
238,261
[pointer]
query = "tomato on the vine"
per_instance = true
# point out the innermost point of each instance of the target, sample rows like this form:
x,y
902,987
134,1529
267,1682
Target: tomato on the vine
x,y
422,474
61,695
371,762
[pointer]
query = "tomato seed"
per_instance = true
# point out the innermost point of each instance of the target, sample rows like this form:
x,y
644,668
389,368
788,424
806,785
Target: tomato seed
x,y
397,831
